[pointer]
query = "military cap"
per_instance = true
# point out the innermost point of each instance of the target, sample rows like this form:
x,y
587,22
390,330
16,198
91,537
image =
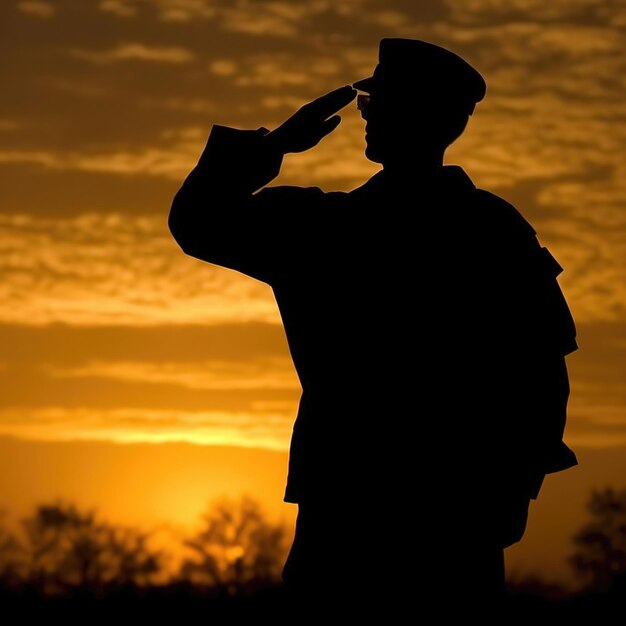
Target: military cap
x,y
415,65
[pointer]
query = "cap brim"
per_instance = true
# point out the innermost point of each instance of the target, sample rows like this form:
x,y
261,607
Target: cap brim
x,y
365,84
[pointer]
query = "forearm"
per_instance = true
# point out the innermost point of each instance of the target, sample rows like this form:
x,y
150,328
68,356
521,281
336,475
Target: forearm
x,y
233,165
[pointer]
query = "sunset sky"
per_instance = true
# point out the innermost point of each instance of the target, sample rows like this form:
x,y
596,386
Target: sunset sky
x,y
110,334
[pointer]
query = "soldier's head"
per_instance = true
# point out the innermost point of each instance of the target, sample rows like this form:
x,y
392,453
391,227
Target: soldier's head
x,y
419,100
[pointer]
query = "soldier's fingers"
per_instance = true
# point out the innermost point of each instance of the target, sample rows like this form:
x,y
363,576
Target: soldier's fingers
x,y
330,124
331,102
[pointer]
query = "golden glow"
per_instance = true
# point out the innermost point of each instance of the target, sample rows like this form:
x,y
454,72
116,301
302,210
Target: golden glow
x,y
268,430
269,373
111,335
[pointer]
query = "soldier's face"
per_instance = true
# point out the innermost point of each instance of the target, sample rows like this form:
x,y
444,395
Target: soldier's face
x,y
398,127
376,128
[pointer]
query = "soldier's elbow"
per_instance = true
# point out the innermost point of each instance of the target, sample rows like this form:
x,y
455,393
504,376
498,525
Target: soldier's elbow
x,y
186,238
184,241
175,223
176,231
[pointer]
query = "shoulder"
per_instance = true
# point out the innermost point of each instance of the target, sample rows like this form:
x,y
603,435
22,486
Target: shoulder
x,y
499,215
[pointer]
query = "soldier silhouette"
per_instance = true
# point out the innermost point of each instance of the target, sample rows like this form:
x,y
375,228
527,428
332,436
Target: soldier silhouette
x,y
427,328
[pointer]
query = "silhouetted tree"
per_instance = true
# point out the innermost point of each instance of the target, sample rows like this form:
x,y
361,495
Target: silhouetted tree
x,y
72,550
13,557
236,547
600,557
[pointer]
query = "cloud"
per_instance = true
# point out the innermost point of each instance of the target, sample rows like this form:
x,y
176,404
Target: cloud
x,y
120,8
267,430
135,52
116,269
9,125
194,105
31,345
81,88
184,10
264,22
273,19
36,8
223,67
173,162
38,157
499,11
255,373
285,103
272,71
596,425
233,368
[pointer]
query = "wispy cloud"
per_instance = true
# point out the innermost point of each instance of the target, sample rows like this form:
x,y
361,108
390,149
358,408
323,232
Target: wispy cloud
x,y
273,18
184,10
30,346
476,12
135,52
223,67
120,8
271,71
8,125
596,424
172,162
36,8
181,11
270,19
269,430
254,373
116,269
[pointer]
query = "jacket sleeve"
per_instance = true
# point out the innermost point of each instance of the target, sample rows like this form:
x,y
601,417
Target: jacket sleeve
x,y
531,318
217,217
546,333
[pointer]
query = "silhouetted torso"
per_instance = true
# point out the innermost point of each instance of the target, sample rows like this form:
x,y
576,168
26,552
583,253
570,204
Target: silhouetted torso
x,y
370,317
395,305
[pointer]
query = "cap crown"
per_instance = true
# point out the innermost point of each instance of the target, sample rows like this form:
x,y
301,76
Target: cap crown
x,y
426,69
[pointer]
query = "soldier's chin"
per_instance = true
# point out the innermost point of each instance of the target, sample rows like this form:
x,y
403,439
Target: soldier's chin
x,y
372,153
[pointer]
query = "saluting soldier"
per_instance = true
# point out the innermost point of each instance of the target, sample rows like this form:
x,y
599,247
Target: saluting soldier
x,y
427,329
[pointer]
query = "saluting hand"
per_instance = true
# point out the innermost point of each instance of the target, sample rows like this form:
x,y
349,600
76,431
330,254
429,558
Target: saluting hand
x,y
311,122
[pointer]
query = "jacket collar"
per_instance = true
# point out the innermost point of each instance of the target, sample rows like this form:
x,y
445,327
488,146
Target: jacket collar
x,y
449,179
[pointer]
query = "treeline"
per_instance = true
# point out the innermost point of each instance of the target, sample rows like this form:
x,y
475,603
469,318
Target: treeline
x,y
235,558
62,551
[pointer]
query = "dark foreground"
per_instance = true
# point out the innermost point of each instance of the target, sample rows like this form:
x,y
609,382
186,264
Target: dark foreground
x,y
178,603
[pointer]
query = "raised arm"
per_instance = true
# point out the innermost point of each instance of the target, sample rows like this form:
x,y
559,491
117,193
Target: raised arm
x,y
213,215
217,217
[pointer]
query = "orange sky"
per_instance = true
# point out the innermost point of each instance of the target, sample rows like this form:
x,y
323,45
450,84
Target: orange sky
x,y
109,333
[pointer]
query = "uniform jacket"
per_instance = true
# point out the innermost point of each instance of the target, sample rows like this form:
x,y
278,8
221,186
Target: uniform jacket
x,y
423,317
